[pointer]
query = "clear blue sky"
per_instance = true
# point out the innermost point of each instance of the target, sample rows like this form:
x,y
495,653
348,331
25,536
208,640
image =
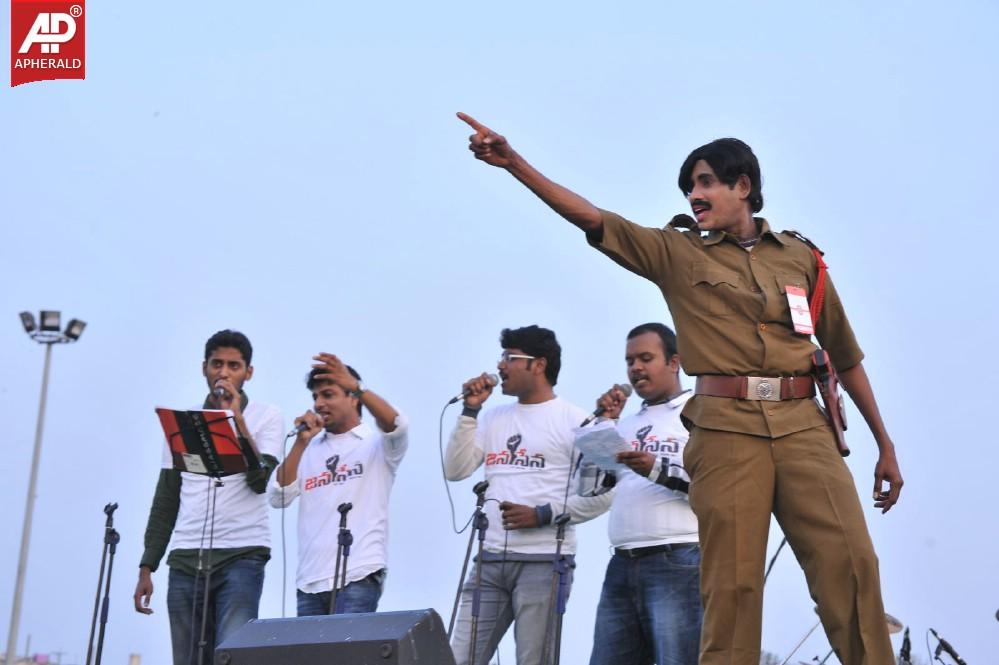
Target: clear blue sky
x,y
297,172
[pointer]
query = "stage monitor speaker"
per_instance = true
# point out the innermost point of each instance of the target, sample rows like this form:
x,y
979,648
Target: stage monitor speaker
x,y
413,637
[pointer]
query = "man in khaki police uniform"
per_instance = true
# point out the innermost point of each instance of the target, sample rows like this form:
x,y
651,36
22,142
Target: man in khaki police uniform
x,y
753,449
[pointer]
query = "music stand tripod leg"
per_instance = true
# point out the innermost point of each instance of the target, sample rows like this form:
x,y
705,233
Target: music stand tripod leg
x,y
206,594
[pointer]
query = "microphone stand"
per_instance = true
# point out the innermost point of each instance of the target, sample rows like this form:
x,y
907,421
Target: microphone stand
x,y
773,560
559,593
944,645
111,539
479,524
480,493
343,542
798,646
903,653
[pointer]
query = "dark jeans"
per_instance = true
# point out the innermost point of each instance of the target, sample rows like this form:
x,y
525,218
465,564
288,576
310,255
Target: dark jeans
x,y
359,596
650,609
233,599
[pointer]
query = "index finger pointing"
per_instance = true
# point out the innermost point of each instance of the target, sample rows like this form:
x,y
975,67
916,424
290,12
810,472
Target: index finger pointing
x,y
473,123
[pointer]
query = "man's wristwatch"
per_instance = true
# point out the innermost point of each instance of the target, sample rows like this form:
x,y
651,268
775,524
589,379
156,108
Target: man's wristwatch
x,y
358,391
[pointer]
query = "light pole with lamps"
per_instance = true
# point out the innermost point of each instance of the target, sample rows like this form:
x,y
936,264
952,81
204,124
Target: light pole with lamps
x,y
46,331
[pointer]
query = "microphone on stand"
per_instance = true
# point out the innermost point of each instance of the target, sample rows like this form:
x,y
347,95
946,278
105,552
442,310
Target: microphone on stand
x,y
903,653
944,645
599,411
491,379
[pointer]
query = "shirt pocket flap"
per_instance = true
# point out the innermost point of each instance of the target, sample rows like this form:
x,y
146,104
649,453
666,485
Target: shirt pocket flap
x,y
791,279
705,273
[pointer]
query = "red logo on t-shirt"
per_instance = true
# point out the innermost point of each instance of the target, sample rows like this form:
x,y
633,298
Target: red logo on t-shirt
x,y
47,40
335,476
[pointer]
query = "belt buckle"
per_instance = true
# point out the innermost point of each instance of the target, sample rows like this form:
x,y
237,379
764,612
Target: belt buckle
x,y
763,388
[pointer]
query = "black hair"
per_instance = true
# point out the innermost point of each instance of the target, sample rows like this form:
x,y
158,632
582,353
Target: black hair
x,y
729,159
311,381
538,342
666,335
230,339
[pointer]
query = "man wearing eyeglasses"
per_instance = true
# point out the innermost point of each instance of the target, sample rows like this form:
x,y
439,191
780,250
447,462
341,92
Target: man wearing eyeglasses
x,y
527,450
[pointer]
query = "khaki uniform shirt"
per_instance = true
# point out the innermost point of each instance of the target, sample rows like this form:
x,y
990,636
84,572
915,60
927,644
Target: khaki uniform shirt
x,y
732,316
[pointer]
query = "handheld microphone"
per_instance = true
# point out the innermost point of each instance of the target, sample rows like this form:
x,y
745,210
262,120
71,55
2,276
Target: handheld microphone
x,y
219,393
491,379
944,645
625,388
299,428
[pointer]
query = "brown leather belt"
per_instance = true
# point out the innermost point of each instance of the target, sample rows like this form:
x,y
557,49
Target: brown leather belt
x,y
770,389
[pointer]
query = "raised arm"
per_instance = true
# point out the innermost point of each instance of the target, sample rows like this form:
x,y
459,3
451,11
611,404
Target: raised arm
x,y
859,388
335,371
493,149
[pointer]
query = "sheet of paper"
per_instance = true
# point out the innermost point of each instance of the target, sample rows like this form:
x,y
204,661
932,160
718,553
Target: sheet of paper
x,y
600,444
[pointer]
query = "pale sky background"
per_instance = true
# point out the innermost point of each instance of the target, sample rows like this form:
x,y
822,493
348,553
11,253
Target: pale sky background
x,y
296,172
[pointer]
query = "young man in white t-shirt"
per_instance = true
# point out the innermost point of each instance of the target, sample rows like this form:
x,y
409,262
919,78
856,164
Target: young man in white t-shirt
x,y
650,604
338,459
527,449
236,544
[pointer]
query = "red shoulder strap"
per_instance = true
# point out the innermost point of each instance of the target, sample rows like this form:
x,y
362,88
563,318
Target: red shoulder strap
x,y
819,296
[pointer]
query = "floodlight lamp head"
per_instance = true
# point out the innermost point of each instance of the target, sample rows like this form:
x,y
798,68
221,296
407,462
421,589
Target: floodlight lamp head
x,y
28,321
49,321
75,328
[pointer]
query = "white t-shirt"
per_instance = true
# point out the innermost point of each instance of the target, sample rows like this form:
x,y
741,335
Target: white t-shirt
x,y
645,513
358,467
528,453
240,513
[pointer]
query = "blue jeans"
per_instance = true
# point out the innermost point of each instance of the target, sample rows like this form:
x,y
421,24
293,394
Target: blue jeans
x,y
650,609
233,599
359,596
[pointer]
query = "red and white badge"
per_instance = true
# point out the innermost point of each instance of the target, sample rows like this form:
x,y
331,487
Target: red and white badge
x,y
801,315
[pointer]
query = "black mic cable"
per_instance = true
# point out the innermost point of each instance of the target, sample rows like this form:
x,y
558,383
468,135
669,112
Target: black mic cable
x,y
447,487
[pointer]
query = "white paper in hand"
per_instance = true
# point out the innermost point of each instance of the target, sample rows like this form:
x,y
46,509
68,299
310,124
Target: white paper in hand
x,y
600,445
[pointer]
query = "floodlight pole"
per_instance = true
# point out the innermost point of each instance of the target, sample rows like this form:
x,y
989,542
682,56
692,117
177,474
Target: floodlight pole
x,y
22,561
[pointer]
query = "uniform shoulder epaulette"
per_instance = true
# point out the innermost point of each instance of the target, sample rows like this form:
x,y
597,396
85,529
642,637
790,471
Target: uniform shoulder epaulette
x,y
682,222
798,236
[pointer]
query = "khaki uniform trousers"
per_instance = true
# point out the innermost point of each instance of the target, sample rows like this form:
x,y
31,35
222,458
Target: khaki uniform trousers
x,y
737,481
